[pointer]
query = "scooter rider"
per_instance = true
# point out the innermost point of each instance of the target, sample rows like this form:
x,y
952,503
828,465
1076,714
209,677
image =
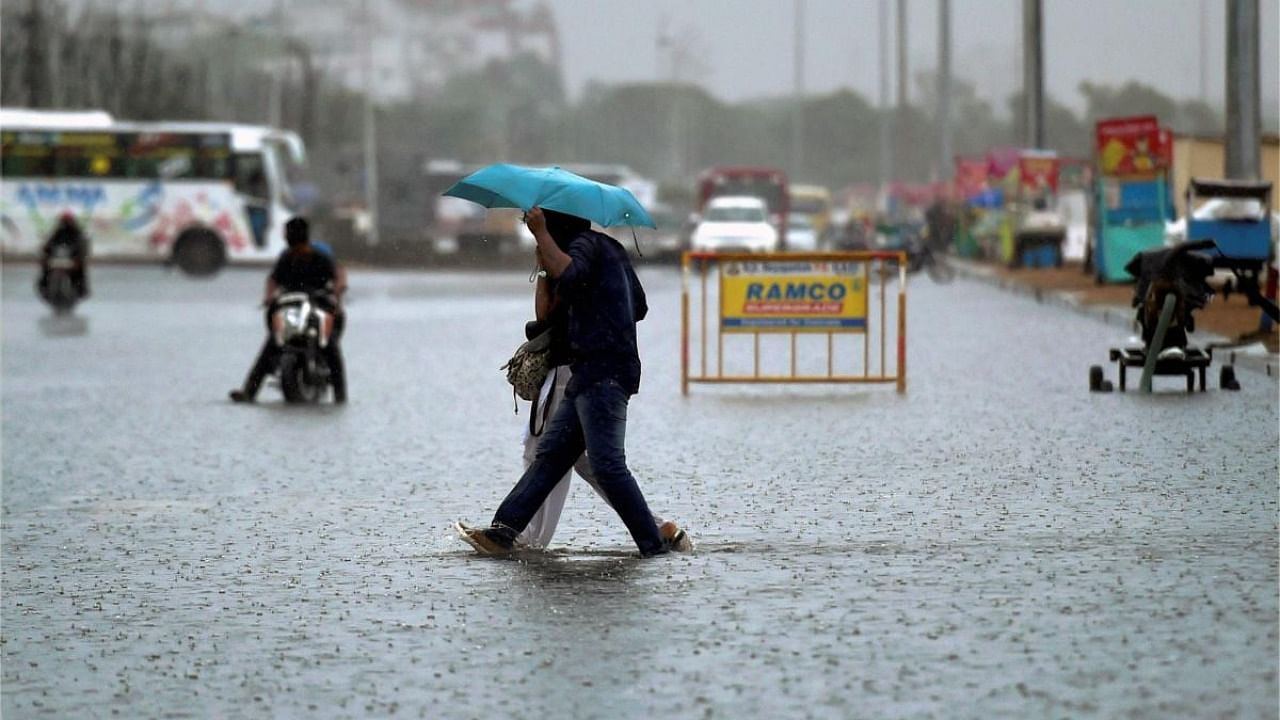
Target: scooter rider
x,y
301,268
67,234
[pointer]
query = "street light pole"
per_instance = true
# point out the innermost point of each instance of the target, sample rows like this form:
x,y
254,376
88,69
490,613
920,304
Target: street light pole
x,y
276,97
797,109
903,88
370,131
1033,71
1204,51
667,49
1243,112
944,87
886,128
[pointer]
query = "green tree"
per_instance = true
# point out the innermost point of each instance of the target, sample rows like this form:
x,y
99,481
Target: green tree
x,y
1135,98
841,135
974,126
1064,131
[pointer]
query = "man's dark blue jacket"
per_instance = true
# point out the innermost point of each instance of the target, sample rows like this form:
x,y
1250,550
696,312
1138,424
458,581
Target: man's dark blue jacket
x,y
605,301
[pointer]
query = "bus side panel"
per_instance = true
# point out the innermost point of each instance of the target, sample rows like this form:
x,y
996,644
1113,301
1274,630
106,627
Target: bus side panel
x,y
127,219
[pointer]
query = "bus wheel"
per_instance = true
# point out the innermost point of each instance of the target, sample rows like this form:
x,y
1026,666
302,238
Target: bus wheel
x,y
199,252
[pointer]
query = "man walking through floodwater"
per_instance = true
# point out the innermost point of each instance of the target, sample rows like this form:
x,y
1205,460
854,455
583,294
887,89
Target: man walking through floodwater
x,y
605,300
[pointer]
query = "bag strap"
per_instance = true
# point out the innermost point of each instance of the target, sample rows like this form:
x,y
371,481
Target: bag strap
x,y
533,407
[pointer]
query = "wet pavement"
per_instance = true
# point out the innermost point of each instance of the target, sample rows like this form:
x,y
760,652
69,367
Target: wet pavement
x,y
996,543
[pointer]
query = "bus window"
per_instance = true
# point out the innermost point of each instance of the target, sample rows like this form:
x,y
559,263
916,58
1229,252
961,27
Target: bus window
x,y
85,155
158,155
213,158
25,154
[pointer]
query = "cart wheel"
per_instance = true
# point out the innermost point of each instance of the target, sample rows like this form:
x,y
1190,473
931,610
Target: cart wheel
x,y
1096,381
1227,378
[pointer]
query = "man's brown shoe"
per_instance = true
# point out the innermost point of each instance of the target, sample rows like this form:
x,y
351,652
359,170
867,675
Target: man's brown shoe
x,y
482,541
675,537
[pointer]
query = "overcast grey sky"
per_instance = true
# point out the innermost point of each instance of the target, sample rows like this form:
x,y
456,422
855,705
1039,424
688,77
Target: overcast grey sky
x,y
747,46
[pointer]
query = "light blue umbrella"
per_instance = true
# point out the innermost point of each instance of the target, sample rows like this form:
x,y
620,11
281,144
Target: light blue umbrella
x,y
515,186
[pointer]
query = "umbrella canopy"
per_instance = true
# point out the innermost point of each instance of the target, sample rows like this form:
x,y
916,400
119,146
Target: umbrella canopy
x,y
515,186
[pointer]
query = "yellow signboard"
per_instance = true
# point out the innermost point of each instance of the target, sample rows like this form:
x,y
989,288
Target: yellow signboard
x,y
793,296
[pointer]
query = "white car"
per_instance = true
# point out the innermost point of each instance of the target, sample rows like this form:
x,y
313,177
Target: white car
x,y
802,236
735,223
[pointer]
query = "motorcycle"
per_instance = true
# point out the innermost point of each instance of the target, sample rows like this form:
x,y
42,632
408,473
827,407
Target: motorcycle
x,y
59,286
922,256
301,330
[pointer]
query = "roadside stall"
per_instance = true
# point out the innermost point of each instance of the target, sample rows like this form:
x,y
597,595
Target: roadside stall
x,y
970,184
1002,175
1131,199
984,220
1038,227
1074,187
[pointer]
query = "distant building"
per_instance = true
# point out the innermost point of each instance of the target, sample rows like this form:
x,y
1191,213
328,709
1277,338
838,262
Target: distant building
x,y
1205,157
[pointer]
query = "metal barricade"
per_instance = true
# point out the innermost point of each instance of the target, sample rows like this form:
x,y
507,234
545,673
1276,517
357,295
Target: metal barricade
x,y
794,296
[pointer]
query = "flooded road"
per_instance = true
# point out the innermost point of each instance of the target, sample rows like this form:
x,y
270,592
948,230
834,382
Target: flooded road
x,y
996,543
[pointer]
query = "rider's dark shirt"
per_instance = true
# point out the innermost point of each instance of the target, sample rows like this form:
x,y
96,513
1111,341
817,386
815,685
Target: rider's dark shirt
x,y
605,300
303,270
69,236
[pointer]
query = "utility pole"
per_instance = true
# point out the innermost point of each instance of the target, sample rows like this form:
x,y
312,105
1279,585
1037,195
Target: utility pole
x,y
1033,72
275,99
370,131
901,139
797,108
1204,51
667,46
207,59
903,87
886,116
944,88
36,77
1243,89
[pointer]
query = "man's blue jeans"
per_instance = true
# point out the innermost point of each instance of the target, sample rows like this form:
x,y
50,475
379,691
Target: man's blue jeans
x,y
595,420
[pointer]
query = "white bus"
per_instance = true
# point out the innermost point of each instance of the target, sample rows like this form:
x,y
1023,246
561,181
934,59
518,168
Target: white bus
x,y
197,194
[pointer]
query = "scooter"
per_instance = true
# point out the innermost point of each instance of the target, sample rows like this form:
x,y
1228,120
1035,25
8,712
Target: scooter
x,y
301,330
59,288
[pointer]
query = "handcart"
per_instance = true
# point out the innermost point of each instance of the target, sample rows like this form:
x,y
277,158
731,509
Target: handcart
x,y
1236,216
1189,362
1171,286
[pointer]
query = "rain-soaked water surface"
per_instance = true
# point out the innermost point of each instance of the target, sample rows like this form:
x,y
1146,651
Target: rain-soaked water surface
x,y
996,543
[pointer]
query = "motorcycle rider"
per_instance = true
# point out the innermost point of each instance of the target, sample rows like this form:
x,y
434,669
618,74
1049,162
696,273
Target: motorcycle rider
x,y
301,268
66,234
